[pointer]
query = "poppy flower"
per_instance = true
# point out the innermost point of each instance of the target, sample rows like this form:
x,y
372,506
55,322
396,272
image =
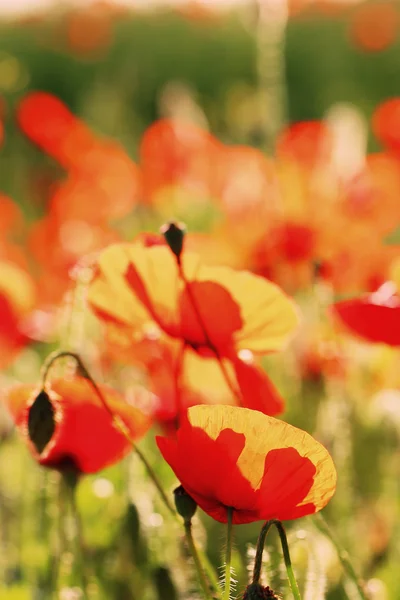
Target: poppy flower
x,y
217,309
213,312
177,153
71,426
179,379
262,468
374,317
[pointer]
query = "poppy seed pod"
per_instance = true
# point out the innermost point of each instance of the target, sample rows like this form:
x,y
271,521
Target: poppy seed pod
x,y
174,234
185,505
41,421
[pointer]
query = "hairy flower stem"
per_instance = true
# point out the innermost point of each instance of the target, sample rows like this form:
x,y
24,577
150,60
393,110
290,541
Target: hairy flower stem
x,y
342,555
197,563
118,422
286,556
228,554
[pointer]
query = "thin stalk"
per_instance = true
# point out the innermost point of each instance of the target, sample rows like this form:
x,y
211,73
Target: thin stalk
x,y
209,569
259,551
342,554
228,554
286,556
199,567
288,562
81,561
119,424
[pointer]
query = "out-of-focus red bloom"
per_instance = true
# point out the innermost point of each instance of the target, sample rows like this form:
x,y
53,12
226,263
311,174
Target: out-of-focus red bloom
x,y
17,297
49,123
176,153
373,317
89,29
179,379
386,123
374,27
231,457
109,178
308,143
84,435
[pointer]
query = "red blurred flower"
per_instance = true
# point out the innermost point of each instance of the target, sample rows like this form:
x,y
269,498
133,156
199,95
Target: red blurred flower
x,y
84,435
263,468
141,293
177,153
374,317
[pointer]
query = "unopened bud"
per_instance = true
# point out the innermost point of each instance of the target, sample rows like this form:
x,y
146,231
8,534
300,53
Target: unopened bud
x,y
41,421
174,234
185,505
255,591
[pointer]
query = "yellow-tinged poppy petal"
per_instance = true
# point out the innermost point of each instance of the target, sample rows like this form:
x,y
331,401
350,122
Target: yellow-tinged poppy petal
x,y
264,434
135,285
268,315
111,293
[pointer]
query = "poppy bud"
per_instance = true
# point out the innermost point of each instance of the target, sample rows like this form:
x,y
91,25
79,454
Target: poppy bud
x,y
174,234
41,421
185,505
255,591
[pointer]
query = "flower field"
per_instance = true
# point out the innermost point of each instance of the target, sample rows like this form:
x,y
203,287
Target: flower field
x,y
200,303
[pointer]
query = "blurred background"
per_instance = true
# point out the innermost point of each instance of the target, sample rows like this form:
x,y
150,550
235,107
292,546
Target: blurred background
x,y
245,71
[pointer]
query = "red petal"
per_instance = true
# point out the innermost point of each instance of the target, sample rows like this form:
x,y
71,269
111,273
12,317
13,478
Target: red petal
x,y
258,392
373,322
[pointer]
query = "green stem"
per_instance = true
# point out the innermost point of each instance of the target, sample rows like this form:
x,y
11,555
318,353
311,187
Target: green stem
x,y
71,484
286,556
228,554
209,569
196,558
342,554
288,562
118,422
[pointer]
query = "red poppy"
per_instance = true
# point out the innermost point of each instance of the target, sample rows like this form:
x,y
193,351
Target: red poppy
x,y
84,435
217,309
212,312
374,317
177,153
179,379
263,468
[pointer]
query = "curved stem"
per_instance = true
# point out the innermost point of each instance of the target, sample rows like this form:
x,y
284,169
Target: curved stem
x,y
342,554
228,554
118,422
196,558
288,562
259,551
286,556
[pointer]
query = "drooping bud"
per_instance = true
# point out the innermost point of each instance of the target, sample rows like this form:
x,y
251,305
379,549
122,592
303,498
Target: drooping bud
x,y
255,591
185,505
174,234
41,421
